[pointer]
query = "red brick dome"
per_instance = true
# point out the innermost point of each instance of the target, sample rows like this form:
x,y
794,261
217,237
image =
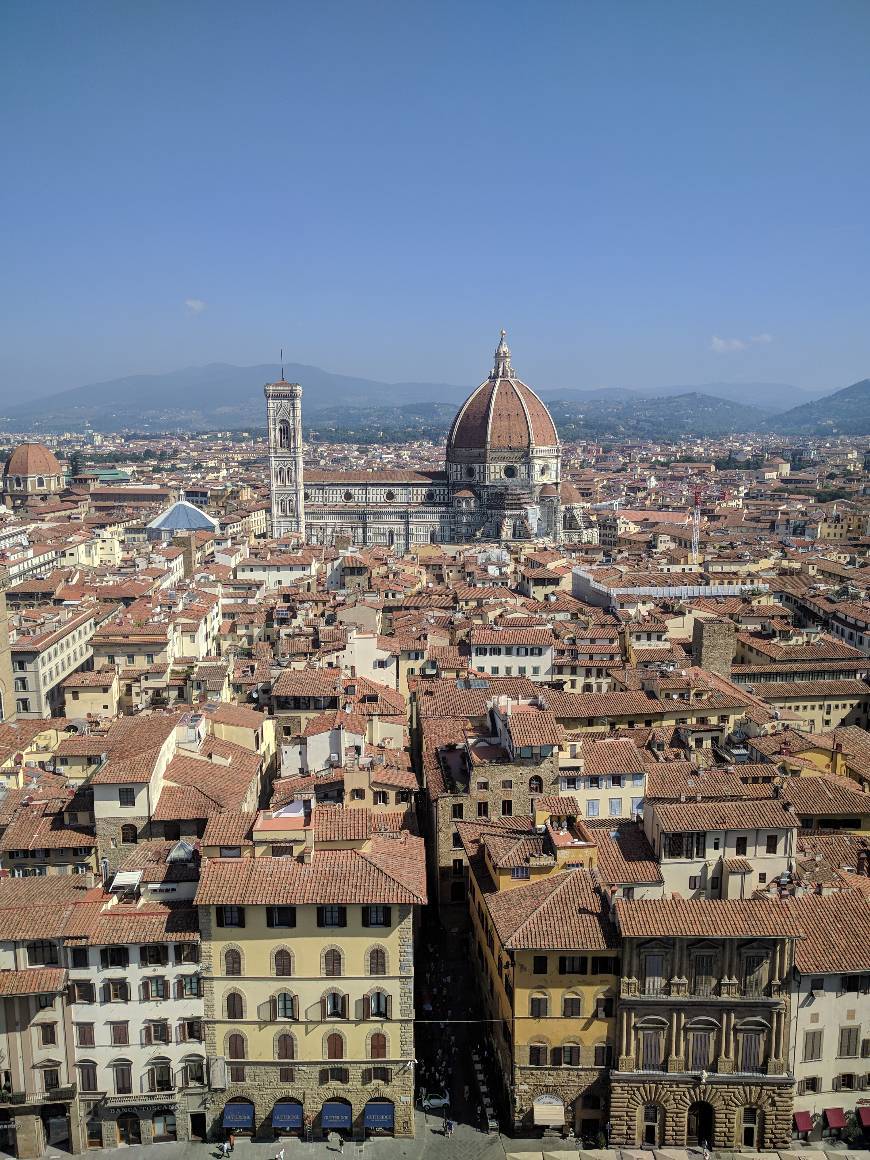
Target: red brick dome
x,y
32,459
503,414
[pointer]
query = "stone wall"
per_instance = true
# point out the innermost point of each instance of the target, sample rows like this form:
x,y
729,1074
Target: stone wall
x,y
675,1095
713,644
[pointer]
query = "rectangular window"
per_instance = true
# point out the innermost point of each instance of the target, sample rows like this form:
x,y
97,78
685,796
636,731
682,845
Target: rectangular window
x,y
813,1045
592,808
47,1034
88,1079
700,1050
230,915
123,1079
281,916
848,1045
539,965
118,991
650,1051
230,851
50,1079
331,916
572,964
483,809
79,958
376,916
740,846
84,1034
153,955
83,991
770,844
615,807
126,796
119,1034
507,808
456,811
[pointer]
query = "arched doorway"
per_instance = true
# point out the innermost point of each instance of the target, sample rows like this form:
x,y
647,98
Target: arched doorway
x,y
700,1124
129,1128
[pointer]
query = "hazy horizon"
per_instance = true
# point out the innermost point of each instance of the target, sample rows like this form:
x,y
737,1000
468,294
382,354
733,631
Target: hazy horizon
x,y
642,195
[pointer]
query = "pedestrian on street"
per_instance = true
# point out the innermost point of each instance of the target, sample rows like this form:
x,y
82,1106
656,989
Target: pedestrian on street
x,y
279,1155
706,1151
340,1142
225,1148
232,1141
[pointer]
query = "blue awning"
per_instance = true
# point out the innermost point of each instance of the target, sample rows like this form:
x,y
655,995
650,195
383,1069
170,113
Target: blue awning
x,y
287,1115
336,1114
239,1116
379,1114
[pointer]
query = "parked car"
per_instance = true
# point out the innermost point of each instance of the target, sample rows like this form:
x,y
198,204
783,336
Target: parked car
x,y
432,1101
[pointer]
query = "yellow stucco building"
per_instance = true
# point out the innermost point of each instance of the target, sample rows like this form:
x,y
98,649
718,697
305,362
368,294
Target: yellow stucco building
x,y
546,955
308,964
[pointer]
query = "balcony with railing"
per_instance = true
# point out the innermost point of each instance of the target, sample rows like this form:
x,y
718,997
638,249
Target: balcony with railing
x,y
704,989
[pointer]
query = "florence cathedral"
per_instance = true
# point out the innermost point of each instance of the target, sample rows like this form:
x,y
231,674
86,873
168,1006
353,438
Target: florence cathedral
x,y
502,477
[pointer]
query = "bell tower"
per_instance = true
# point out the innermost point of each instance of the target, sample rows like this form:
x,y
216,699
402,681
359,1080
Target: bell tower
x,y
284,421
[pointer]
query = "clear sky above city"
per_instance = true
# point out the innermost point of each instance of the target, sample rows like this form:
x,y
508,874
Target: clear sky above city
x,y
644,194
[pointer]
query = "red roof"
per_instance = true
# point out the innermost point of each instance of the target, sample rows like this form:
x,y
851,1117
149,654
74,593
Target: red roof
x,y
502,414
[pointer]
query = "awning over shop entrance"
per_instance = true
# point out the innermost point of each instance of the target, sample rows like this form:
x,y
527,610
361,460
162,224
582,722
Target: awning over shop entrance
x,y
336,1114
864,1116
287,1117
803,1121
379,1114
239,1116
549,1112
836,1117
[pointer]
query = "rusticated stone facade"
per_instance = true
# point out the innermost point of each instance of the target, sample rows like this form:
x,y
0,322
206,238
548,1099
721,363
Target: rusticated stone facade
x,y
702,1042
677,1097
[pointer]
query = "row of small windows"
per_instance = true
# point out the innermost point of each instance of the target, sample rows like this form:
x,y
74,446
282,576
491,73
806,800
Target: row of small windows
x,y
285,1046
285,1006
332,963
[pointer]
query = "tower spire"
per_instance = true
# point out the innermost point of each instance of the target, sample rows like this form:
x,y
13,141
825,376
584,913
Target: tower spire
x,y
502,368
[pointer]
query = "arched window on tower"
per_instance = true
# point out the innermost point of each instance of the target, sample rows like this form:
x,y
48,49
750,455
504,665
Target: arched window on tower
x,y
284,434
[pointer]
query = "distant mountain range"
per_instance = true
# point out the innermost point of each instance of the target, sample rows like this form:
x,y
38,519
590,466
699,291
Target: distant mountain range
x,y
224,397
846,412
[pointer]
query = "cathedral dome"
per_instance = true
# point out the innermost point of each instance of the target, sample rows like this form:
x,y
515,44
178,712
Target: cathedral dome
x,y
32,459
503,414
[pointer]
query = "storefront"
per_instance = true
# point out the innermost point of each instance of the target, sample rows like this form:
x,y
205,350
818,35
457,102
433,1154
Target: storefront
x,y
336,1116
803,1125
239,1117
548,1112
379,1117
287,1118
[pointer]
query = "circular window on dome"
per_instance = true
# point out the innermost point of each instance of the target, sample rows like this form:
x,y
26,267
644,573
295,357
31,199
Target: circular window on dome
x,y
390,496
510,471
348,495
545,471
469,473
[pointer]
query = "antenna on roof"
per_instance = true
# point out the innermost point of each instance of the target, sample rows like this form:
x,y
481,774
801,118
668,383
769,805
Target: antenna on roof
x,y
282,364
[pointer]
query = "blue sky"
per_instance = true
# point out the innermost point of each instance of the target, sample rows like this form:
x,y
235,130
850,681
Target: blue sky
x,y
644,194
